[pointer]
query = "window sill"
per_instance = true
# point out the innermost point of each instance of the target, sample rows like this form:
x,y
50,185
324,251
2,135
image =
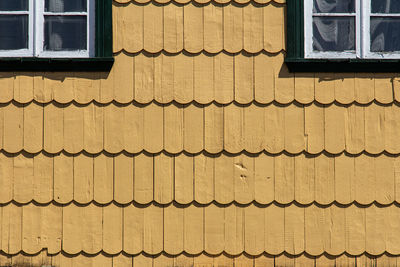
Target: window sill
x,y
96,64
342,65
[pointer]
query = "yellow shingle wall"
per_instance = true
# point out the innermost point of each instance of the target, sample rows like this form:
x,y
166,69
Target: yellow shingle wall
x,y
199,148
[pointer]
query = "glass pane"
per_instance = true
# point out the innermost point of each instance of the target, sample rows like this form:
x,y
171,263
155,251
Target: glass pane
x,y
65,6
334,6
385,34
65,33
385,6
14,5
13,32
333,34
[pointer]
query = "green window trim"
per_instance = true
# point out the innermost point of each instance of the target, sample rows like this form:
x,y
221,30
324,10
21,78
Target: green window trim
x,y
296,62
103,29
102,61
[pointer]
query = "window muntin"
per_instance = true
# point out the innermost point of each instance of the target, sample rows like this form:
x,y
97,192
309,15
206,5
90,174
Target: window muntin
x,y
47,28
352,29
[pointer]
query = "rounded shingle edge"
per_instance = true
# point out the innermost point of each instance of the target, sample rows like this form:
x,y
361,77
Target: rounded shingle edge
x,y
200,1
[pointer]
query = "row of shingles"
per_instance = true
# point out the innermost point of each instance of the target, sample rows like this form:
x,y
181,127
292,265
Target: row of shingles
x,y
32,228
153,128
163,260
84,178
284,260
183,260
194,229
315,230
162,78
244,78
251,229
201,1
41,259
212,28
203,178
80,260
193,128
203,78
140,260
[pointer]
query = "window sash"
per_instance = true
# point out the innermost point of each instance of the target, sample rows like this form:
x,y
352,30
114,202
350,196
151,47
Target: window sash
x,y
308,32
22,52
36,15
90,31
366,19
363,17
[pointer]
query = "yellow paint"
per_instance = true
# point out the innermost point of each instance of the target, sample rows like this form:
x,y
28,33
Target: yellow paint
x,y
199,148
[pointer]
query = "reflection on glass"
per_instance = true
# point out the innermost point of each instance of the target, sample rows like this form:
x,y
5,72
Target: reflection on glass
x,y
334,34
14,5
13,32
65,33
385,6
385,35
334,6
65,6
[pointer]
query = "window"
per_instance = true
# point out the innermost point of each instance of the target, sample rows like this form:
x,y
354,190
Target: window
x,y
364,34
47,28
352,28
64,28
73,34
331,27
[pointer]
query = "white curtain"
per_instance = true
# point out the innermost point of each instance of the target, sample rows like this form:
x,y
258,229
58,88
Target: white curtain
x,y
13,5
334,6
56,5
385,33
385,6
13,32
61,30
333,34
65,5
55,40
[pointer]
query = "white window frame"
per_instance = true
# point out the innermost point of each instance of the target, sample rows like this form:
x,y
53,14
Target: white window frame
x,y
366,22
362,33
22,52
36,33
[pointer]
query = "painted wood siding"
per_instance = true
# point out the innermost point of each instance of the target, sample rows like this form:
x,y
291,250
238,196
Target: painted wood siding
x,y
199,148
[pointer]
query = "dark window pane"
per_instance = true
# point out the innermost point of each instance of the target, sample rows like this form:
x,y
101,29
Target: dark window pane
x,y
14,5
65,33
333,34
65,6
13,32
385,6
334,6
385,34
